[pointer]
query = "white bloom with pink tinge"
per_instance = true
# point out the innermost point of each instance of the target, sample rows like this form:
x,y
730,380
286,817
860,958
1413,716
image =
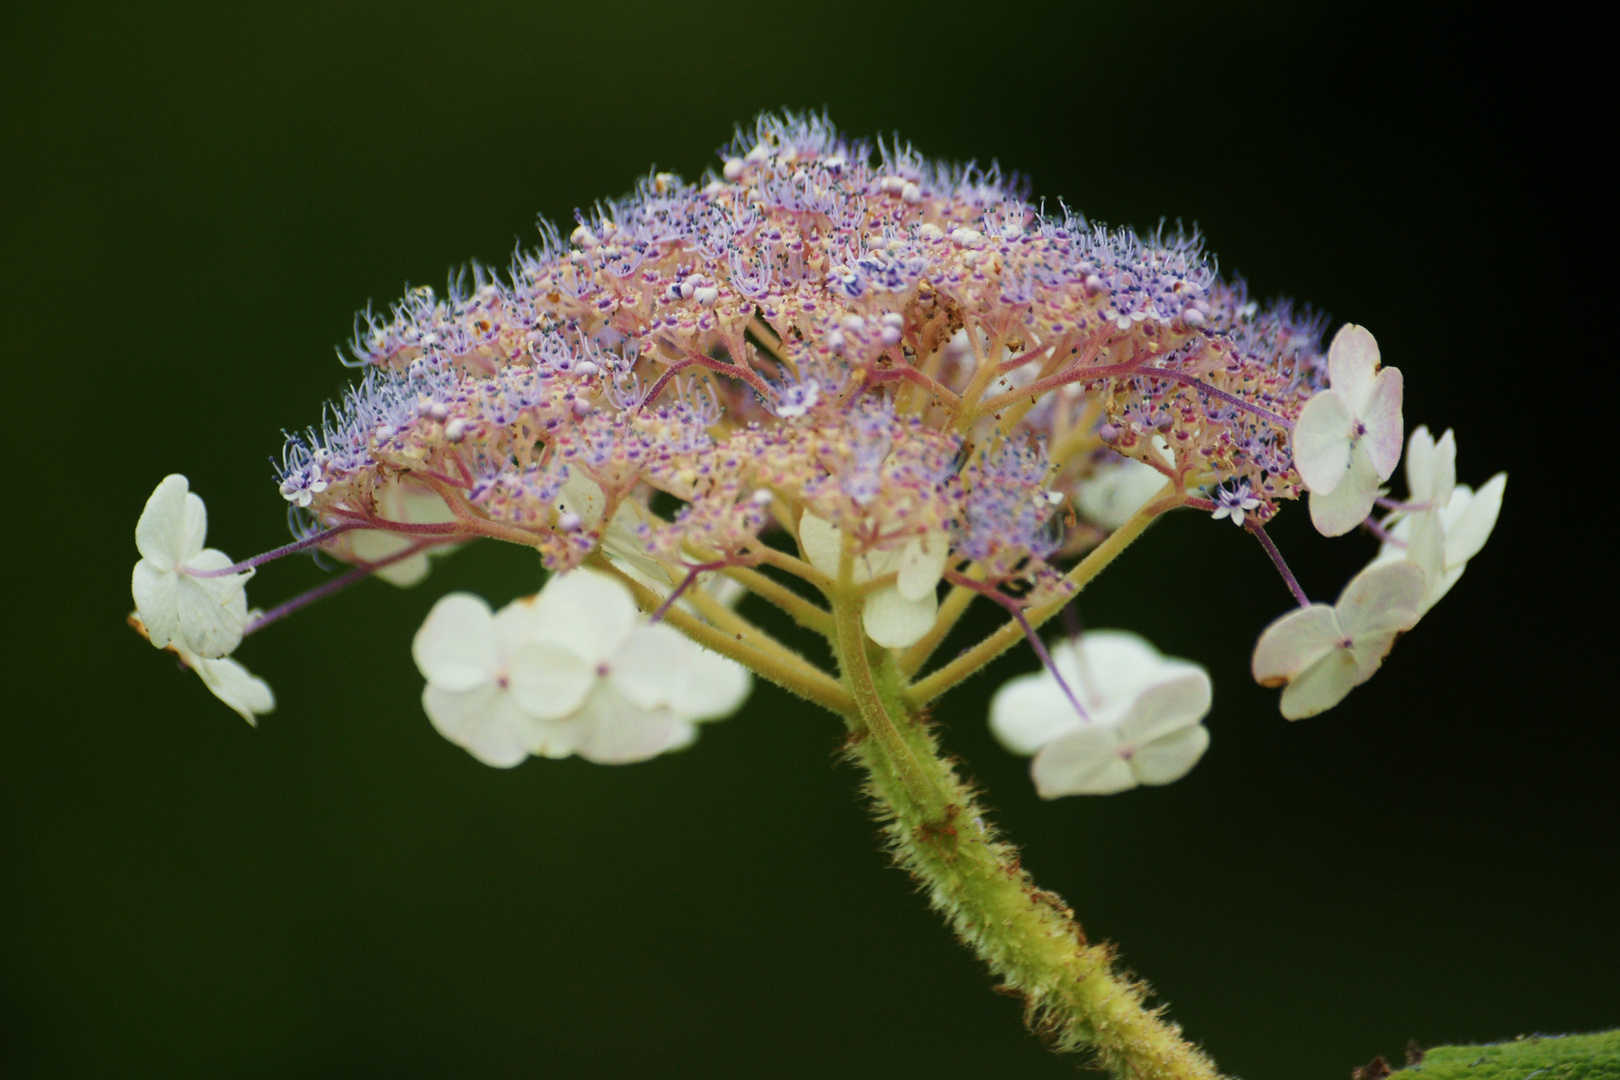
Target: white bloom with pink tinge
x,y
1142,723
1322,652
1347,440
572,670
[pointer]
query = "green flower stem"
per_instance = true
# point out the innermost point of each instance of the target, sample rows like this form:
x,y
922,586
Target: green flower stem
x,y
1028,937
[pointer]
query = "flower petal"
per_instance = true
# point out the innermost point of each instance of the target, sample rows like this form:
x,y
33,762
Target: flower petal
x,y
484,722
211,612
1029,711
895,622
1322,442
1171,756
616,732
1381,598
1381,419
154,590
172,525
233,684
821,542
1166,707
1321,686
651,668
1106,669
1352,365
1084,762
587,611
455,647
1350,501
922,563
1470,524
548,680
1294,642
716,686
1109,496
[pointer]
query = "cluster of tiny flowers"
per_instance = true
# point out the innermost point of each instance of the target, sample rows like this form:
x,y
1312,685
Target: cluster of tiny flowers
x,y
861,367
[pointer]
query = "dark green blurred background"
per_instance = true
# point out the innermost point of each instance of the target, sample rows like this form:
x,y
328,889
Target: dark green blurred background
x,y
196,199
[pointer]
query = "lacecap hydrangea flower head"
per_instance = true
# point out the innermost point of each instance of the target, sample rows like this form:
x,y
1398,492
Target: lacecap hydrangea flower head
x,y
872,390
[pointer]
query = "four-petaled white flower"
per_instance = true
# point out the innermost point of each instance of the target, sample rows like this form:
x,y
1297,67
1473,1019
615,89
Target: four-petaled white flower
x,y
896,615
1348,438
1142,722
204,615
226,679
1324,651
572,670
1450,522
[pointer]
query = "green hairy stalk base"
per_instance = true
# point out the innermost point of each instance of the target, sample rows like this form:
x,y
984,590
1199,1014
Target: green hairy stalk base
x,y
938,832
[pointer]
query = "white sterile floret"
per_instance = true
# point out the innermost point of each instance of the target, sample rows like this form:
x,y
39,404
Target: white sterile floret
x,y
1348,438
1324,651
1142,722
897,615
204,615
226,679
572,670
1118,489
1447,523
409,503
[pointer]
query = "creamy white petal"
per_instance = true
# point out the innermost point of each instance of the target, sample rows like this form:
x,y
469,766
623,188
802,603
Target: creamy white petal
x,y
1369,651
1381,419
1029,711
1470,524
455,647
583,497
1107,668
484,721
172,525
616,732
922,563
1321,686
233,684
821,542
895,622
1166,707
212,612
1381,598
1352,365
1426,545
715,686
587,611
1294,642
1115,491
1171,756
1084,762
650,668
547,680
1431,468
1322,442
682,733
1350,501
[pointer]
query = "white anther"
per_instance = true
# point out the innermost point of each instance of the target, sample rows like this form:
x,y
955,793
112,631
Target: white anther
x,y
732,169
758,153
455,430
1054,497
894,319
706,295
890,335
911,193
384,432
1192,317
568,522
1094,283
584,237
854,323
581,408
836,163
893,184
930,231
835,341
438,410
967,237
762,497
587,368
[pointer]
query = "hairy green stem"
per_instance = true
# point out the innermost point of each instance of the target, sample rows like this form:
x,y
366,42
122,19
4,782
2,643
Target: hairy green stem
x,y
1028,937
